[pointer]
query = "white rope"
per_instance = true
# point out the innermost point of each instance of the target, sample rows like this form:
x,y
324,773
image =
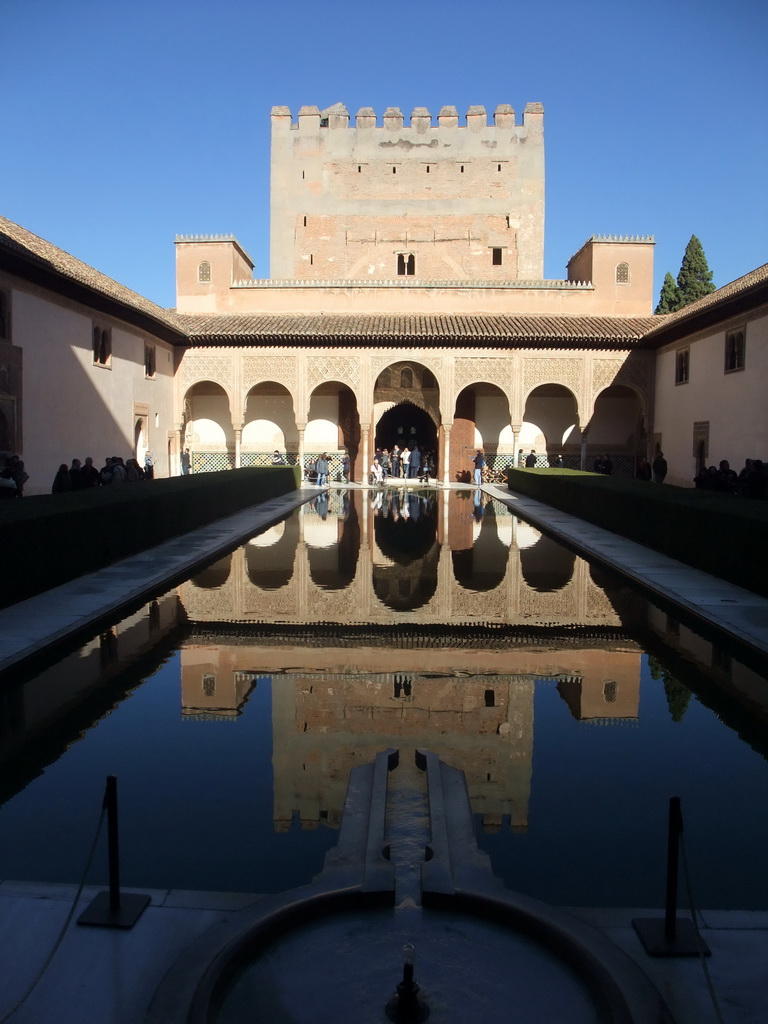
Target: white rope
x,y
700,944
60,938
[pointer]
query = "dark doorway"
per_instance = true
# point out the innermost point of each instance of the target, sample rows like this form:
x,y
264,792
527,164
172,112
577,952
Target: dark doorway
x,y
406,424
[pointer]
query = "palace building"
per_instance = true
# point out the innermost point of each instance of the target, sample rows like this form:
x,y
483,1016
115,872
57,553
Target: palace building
x,y
406,305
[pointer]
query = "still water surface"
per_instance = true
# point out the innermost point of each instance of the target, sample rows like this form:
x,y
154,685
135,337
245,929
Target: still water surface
x,y
232,709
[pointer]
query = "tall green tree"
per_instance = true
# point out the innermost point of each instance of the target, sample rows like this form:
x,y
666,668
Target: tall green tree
x,y
695,278
693,282
669,299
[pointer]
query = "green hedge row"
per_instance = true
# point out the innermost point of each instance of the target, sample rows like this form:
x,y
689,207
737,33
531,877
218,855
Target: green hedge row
x,y
721,534
50,539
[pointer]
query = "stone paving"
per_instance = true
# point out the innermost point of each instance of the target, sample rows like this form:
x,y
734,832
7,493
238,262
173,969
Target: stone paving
x,y
108,976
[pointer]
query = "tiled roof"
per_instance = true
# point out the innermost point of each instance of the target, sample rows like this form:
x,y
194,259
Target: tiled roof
x,y
718,304
20,248
483,330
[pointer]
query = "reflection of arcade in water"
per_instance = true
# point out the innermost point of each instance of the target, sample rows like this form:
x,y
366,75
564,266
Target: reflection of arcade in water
x,y
381,556
434,608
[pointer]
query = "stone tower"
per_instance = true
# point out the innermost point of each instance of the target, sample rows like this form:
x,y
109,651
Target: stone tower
x,y
445,203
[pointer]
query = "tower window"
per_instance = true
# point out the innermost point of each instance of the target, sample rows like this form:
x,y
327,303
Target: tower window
x,y
204,272
622,273
406,264
359,169
496,257
498,167
462,168
490,699
305,222
394,170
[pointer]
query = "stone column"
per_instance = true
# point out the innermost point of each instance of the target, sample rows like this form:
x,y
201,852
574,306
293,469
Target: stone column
x,y
583,462
446,453
301,427
515,428
238,438
182,432
365,430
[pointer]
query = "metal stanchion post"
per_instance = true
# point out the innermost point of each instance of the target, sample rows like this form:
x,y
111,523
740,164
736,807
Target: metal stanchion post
x,y
671,935
114,909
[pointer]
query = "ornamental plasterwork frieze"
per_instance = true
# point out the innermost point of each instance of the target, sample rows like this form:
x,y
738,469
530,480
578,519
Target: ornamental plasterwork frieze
x,y
538,370
256,369
345,369
605,373
200,366
637,370
470,370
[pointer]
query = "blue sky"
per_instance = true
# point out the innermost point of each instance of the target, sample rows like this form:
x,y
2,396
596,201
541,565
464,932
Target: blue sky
x,y
126,124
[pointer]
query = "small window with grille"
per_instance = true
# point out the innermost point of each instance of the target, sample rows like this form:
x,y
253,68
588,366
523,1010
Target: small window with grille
x,y
622,273
204,273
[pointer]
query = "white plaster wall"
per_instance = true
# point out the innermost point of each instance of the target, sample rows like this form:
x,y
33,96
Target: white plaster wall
x,y
269,422
211,422
615,420
492,420
555,418
73,409
734,404
322,432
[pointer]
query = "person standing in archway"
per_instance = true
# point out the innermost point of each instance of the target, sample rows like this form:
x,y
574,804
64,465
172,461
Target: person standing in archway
x,y
396,461
415,464
406,462
479,462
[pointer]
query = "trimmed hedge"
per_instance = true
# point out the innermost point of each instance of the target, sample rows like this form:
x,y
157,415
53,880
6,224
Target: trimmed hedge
x,y
721,534
50,539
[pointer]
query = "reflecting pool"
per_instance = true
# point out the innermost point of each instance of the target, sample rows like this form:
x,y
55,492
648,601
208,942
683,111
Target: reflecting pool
x,y
232,709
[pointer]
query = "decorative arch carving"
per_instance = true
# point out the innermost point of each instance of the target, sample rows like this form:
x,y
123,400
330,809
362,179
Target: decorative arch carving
x,y
258,369
345,369
565,371
475,370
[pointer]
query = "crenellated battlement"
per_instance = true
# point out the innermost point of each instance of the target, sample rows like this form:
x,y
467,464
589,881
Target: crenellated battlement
x,y
648,239
392,119
456,197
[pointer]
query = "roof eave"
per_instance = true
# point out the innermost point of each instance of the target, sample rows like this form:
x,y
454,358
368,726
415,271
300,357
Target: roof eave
x,y
52,280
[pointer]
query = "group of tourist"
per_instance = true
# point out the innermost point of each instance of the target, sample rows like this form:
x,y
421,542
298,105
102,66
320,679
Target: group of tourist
x,y
13,476
82,475
751,482
402,464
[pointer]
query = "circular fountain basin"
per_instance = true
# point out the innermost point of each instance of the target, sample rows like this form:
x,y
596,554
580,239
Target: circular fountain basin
x,y
346,967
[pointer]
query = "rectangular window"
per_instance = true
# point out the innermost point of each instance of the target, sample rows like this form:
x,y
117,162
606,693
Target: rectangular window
x,y
682,365
496,257
150,361
5,316
102,346
734,351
